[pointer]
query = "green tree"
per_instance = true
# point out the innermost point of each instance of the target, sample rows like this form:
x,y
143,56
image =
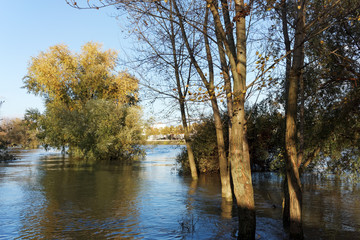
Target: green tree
x,y
90,108
265,135
205,148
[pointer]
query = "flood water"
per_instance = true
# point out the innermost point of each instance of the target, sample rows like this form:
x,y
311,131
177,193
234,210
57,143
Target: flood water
x,y
43,195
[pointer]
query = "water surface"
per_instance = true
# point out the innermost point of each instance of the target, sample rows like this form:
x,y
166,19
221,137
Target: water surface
x,y
44,195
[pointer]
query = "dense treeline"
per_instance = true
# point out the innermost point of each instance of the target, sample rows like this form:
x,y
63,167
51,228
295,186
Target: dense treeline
x,y
166,130
17,132
4,155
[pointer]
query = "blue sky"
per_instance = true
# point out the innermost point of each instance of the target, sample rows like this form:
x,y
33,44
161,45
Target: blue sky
x,y
28,27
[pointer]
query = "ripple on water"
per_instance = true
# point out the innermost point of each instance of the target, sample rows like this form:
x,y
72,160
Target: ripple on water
x,y
44,196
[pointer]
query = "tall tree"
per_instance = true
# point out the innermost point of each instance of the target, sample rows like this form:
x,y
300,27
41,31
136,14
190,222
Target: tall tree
x,y
304,87
168,57
292,160
181,99
61,76
90,107
239,156
210,86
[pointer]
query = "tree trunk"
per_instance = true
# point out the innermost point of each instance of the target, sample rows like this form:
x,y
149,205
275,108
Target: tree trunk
x,y
240,158
226,192
190,153
292,161
292,170
284,12
227,82
225,180
241,174
302,121
239,155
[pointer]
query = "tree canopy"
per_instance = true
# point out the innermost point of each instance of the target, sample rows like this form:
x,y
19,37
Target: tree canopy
x,y
91,108
74,78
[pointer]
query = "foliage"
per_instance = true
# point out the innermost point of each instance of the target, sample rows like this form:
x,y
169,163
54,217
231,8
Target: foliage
x,y
331,81
164,130
100,130
265,136
73,79
266,128
16,132
4,155
332,92
335,130
203,143
91,110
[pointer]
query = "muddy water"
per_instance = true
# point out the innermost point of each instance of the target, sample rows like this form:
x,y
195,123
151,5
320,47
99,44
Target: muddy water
x,y
44,195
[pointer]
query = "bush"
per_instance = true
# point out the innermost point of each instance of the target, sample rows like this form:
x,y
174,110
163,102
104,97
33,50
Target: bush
x,y
265,136
203,143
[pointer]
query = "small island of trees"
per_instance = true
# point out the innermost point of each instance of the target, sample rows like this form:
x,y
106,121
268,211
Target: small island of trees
x,y
91,110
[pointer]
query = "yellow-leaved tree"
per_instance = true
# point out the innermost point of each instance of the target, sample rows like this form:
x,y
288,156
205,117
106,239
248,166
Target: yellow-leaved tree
x,y
88,102
75,78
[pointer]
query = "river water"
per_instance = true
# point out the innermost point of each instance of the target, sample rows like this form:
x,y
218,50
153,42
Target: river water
x,y
44,195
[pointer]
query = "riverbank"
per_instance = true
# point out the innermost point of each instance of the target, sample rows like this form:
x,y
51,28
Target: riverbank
x,y
5,156
165,142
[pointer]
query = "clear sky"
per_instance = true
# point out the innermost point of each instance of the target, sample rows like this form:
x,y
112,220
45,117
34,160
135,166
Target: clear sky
x,y
30,26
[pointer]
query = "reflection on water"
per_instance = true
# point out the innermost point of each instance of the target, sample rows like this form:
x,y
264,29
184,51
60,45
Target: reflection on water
x,y
45,196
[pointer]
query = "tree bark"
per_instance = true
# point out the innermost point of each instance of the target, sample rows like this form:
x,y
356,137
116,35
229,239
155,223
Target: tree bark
x,y
227,83
226,192
239,155
190,153
241,174
292,170
286,197
240,158
292,161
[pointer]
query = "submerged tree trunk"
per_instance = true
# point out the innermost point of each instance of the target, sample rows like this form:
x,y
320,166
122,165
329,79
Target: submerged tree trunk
x,y
240,159
190,153
225,181
239,155
284,12
241,174
226,192
292,160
